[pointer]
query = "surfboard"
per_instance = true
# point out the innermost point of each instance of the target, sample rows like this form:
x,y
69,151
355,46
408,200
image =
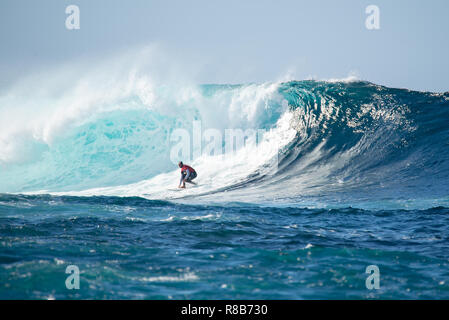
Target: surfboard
x,y
188,187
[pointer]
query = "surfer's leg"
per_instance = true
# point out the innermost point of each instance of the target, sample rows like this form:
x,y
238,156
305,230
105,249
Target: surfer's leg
x,y
191,177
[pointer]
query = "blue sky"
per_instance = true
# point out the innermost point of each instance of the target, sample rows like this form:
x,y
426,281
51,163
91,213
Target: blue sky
x,y
238,41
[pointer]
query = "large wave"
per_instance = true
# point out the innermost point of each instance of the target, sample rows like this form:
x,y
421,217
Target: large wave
x,y
322,140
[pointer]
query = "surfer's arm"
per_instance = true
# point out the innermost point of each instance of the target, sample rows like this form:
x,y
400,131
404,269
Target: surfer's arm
x,y
187,175
182,179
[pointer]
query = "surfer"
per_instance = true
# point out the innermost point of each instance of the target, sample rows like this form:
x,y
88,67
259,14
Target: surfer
x,y
187,175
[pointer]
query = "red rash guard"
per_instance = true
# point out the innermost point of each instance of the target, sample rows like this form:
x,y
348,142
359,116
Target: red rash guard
x,y
185,167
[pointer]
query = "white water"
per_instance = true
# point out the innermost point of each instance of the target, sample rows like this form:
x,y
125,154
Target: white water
x,y
105,130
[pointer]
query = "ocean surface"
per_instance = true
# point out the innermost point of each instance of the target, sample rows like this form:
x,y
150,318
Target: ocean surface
x,y
342,175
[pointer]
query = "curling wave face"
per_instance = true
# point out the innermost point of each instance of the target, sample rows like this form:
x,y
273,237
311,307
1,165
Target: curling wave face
x,y
335,143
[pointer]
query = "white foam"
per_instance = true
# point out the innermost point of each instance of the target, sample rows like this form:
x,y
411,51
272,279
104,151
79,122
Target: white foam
x,y
351,77
41,108
182,278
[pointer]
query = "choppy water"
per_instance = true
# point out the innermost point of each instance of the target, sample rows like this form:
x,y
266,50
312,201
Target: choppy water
x,y
137,248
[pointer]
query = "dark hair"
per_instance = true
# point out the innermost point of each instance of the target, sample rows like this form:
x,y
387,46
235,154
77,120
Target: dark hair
x,y
180,163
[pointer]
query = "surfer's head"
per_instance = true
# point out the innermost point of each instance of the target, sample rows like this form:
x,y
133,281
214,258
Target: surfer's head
x,y
180,164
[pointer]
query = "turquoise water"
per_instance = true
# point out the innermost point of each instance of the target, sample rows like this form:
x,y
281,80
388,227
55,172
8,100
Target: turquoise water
x,y
362,181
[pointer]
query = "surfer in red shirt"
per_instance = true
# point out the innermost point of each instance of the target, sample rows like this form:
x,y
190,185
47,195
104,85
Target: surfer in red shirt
x,y
187,175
